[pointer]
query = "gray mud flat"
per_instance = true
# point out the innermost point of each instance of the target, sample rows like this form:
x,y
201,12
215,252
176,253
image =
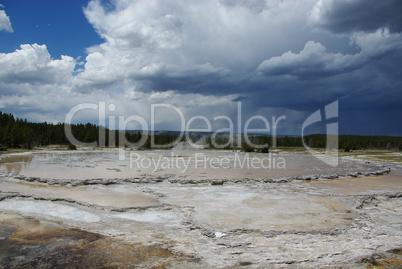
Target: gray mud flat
x,y
307,215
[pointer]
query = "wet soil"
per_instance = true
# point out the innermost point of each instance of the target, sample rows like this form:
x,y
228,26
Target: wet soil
x,y
391,259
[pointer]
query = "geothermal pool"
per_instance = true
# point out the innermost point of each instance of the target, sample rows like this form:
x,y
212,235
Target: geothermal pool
x,y
199,209
111,164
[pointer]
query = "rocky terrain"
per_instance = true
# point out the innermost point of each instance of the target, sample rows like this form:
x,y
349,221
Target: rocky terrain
x,y
308,215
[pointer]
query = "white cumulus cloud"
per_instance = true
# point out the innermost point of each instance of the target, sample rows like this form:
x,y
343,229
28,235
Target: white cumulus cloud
x,y
187,46
33,64
5,24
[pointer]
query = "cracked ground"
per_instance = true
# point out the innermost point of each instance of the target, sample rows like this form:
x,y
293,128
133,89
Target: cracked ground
x,y
53,213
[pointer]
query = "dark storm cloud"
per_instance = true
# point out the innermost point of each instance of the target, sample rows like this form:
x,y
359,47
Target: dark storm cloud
x,y
344,16
240,99
205,56
200,78
313,62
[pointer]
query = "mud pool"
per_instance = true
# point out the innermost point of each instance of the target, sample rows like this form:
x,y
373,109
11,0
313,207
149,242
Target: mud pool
x,y
306,214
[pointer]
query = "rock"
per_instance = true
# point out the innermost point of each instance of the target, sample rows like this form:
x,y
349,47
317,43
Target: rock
x,y
217,182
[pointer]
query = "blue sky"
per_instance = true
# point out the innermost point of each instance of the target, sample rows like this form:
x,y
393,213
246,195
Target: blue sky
x,y
61,25
279,58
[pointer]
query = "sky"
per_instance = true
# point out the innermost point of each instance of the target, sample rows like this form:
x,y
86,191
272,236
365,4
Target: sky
x,y
215,61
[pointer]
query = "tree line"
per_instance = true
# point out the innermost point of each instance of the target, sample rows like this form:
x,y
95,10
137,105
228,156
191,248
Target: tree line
x,y
345,142
19,133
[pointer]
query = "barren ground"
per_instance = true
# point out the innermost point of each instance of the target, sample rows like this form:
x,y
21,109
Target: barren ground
x,y
210,210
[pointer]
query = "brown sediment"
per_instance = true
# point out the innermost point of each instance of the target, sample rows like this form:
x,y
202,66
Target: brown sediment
x,y
29,243
389,259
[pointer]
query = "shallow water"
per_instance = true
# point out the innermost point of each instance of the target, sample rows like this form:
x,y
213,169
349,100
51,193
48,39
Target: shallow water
x,y
182,165
15,163
114,196
49,209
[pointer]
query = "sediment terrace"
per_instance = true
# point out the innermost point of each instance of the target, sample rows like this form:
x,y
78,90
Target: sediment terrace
x,y
306,215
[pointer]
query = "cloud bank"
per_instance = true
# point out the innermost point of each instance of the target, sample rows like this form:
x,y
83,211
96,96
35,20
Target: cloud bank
x,y
344,16
277,57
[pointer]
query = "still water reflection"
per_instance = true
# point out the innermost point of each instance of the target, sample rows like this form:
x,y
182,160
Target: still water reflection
x,y
15,163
